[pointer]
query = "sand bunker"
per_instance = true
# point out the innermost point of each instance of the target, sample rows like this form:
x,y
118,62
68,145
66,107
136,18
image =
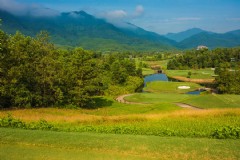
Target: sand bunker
x,y
184,87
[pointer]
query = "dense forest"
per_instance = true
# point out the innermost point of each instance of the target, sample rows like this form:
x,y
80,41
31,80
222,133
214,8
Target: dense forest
x,y
226,62
33,73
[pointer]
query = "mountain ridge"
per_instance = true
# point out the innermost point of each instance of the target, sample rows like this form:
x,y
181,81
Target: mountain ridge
x,y
81,29
212,40
180,36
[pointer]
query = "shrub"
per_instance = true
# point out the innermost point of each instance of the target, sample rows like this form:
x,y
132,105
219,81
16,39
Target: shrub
x,y
9,121
226,132
12,122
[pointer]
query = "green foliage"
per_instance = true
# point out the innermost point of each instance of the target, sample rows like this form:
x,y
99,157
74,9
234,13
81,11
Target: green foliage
x,y
137,126
9,121
132,84
227,132
197,59
33,73
12,122
189,74
228,81
41,125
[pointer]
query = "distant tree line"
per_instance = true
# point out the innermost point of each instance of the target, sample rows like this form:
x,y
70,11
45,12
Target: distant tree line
x,y
226,62
197,59
33,73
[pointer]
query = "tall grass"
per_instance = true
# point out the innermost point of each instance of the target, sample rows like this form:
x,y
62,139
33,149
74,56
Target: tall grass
x,y
184,123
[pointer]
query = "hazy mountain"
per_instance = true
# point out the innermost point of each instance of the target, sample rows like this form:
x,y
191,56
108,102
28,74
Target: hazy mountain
x,y
212,40
178,37
84,30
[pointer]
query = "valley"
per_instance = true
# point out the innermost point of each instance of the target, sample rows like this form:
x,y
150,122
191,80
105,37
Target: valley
x,y
119,80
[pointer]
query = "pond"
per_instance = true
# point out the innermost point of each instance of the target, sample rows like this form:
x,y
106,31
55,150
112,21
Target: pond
x,y
163,77
155,77
194,92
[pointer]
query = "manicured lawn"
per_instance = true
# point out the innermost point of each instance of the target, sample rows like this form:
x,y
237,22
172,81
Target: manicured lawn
x,y
167,100
215,101
196,74
170,87
163,98
26,144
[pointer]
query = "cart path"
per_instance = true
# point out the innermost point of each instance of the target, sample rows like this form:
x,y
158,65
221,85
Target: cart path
x,y
121,99
184,105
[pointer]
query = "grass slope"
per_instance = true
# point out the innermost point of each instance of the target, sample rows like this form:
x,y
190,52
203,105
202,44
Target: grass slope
x,y
17,144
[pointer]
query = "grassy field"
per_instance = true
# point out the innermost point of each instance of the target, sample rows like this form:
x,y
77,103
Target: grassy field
x,y
18,144
215,101
170,87
168,93
196,74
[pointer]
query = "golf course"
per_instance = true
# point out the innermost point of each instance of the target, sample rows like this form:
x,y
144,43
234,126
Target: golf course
x,y
147,125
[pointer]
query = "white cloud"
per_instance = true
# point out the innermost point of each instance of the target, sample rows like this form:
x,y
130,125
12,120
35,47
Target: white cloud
x,y
116,15
17,8
120,17
139,11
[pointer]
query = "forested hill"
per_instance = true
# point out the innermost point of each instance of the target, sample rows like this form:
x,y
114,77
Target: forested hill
x,y
178,37
83,30
212,40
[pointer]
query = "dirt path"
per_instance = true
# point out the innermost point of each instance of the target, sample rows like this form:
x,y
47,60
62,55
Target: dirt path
x,y
121,99
183,105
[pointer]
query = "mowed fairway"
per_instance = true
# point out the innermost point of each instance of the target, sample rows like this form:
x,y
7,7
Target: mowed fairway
x,y
195,74
26,144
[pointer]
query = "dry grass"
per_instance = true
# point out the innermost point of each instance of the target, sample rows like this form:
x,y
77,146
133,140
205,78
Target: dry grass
x,y
184,79
83,116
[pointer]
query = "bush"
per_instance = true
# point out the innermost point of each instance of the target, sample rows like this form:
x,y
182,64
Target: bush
x,y
9,121
227,132
41,125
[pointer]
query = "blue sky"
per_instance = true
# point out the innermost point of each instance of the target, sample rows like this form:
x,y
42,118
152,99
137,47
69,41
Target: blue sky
x,y
161,16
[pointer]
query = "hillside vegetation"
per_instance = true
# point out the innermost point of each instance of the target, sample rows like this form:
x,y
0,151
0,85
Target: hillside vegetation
x,y
33,73
79,29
